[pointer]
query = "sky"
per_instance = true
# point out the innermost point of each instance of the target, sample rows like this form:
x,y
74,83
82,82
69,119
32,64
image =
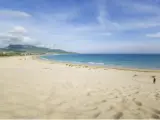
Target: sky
x,y
84,26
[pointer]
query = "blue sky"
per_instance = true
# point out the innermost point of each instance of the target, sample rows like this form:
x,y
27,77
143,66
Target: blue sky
x,y
86,26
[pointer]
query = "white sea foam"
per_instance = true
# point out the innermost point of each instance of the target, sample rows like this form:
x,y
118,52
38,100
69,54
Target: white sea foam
x,y
43,58
94,63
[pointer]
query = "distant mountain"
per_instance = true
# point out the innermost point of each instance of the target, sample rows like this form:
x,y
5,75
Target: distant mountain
x,y
31,49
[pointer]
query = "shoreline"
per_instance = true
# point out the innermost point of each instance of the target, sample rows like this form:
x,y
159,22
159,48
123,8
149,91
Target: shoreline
x,y
96,66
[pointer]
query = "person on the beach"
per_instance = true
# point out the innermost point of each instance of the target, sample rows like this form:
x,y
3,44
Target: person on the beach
x,y
154,80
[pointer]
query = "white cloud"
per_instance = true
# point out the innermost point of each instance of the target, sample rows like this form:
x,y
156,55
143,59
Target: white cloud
x,y
130,6
14,13
18,30
104,34
103,17
146,15
154,35
151,16
16,36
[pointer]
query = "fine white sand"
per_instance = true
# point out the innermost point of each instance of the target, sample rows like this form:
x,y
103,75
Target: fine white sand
x,y
31,88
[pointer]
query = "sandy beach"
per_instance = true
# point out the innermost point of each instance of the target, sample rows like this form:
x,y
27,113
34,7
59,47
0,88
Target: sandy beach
x,y
32,88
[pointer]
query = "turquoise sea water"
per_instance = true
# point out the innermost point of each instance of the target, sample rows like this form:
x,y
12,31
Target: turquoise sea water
x,y
141,61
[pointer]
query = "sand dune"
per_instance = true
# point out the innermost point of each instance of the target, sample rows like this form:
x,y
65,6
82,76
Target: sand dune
x,y
31,88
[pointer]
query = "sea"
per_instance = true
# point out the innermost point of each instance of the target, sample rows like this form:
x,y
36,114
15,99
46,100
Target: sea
x,y
135,61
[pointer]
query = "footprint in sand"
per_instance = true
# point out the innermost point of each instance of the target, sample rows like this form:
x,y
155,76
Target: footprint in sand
x,y
96,114
157,96
97,103
61,103
137,92
100,102
156,111
118,115
154,116
143,110
135,75
47,68
137,102
103,101
49,112
88,94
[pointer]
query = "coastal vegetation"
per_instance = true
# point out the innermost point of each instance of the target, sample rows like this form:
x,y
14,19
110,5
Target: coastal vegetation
x,y
3,54
21,50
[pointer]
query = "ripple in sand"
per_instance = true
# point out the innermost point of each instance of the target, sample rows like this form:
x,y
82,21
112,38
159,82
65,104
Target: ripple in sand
x,y
89,108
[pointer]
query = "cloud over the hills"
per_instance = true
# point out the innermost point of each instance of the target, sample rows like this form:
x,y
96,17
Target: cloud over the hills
x,y
18,35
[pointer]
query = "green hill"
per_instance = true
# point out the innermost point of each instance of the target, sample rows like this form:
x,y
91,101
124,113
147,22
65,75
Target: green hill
x,y
30,49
